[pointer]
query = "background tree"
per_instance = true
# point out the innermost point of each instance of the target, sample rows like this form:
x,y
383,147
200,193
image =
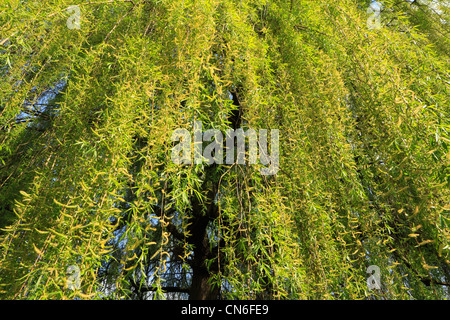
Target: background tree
x,y
87,179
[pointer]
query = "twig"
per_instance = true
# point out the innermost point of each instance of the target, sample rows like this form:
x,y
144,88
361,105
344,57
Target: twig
x,y
299,28
118,22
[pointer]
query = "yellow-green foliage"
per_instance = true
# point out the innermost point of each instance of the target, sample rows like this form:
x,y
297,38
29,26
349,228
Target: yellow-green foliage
x,y
364,175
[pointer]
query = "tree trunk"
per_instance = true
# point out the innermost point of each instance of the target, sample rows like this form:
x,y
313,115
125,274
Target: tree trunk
x,y
201,289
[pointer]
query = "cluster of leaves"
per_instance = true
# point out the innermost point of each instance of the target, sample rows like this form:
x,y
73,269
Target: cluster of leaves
x,y
364,150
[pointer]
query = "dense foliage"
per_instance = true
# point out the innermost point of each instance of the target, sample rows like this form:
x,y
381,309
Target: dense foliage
x,y
87,180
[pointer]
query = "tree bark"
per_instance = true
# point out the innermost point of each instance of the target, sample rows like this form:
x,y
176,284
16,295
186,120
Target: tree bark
x,y
201,289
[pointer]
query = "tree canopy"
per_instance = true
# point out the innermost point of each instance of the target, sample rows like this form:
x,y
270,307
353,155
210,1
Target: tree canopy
x,y
91,92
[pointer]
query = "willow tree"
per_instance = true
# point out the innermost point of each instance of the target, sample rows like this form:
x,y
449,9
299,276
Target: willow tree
x,y
92,91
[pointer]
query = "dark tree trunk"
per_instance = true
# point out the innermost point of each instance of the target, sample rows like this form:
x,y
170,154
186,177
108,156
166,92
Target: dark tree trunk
x,y
201,289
